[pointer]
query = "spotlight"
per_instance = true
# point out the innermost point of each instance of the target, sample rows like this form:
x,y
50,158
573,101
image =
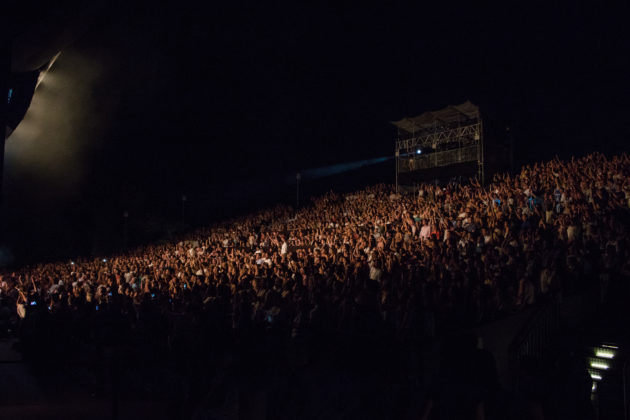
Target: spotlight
x,y
104,259
419,151
71,262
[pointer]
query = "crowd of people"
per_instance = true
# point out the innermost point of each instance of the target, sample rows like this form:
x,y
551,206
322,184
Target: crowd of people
x,y
407,264
370,264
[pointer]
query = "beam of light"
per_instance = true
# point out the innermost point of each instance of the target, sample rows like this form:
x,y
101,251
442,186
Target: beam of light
x,y
6,256
324,171
46,154
44,71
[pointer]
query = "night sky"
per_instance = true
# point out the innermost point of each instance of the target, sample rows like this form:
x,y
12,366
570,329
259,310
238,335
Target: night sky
x,y
223,102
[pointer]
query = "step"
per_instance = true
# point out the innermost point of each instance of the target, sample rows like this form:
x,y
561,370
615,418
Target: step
x,y
605,363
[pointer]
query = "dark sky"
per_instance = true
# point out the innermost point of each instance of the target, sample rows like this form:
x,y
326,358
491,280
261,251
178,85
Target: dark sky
x,y
222,102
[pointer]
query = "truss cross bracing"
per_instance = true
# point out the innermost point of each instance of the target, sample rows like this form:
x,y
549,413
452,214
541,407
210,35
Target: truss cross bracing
x,y
450,136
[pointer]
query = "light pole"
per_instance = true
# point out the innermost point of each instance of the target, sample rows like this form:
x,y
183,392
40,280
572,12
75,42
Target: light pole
x,y
184,198
125,217
298,177
396,168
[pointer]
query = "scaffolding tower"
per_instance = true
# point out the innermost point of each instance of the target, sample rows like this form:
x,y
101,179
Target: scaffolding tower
x,y
439,139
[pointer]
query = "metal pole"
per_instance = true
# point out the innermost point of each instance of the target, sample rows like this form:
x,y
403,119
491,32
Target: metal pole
x,y
184,198
511,141
125,217
396,168
297,190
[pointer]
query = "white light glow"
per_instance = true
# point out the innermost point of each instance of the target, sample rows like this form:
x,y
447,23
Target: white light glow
x,y
600,365
596,376
44,72
605,354
609,346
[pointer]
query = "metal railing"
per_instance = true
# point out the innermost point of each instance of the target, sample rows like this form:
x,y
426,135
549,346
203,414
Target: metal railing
x,y
442,135
535,336
432,160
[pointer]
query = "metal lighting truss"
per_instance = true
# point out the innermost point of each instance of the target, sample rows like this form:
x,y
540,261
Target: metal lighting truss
x,y
440,138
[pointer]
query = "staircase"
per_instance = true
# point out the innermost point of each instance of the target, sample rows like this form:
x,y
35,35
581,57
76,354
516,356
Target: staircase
x,y
607,365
